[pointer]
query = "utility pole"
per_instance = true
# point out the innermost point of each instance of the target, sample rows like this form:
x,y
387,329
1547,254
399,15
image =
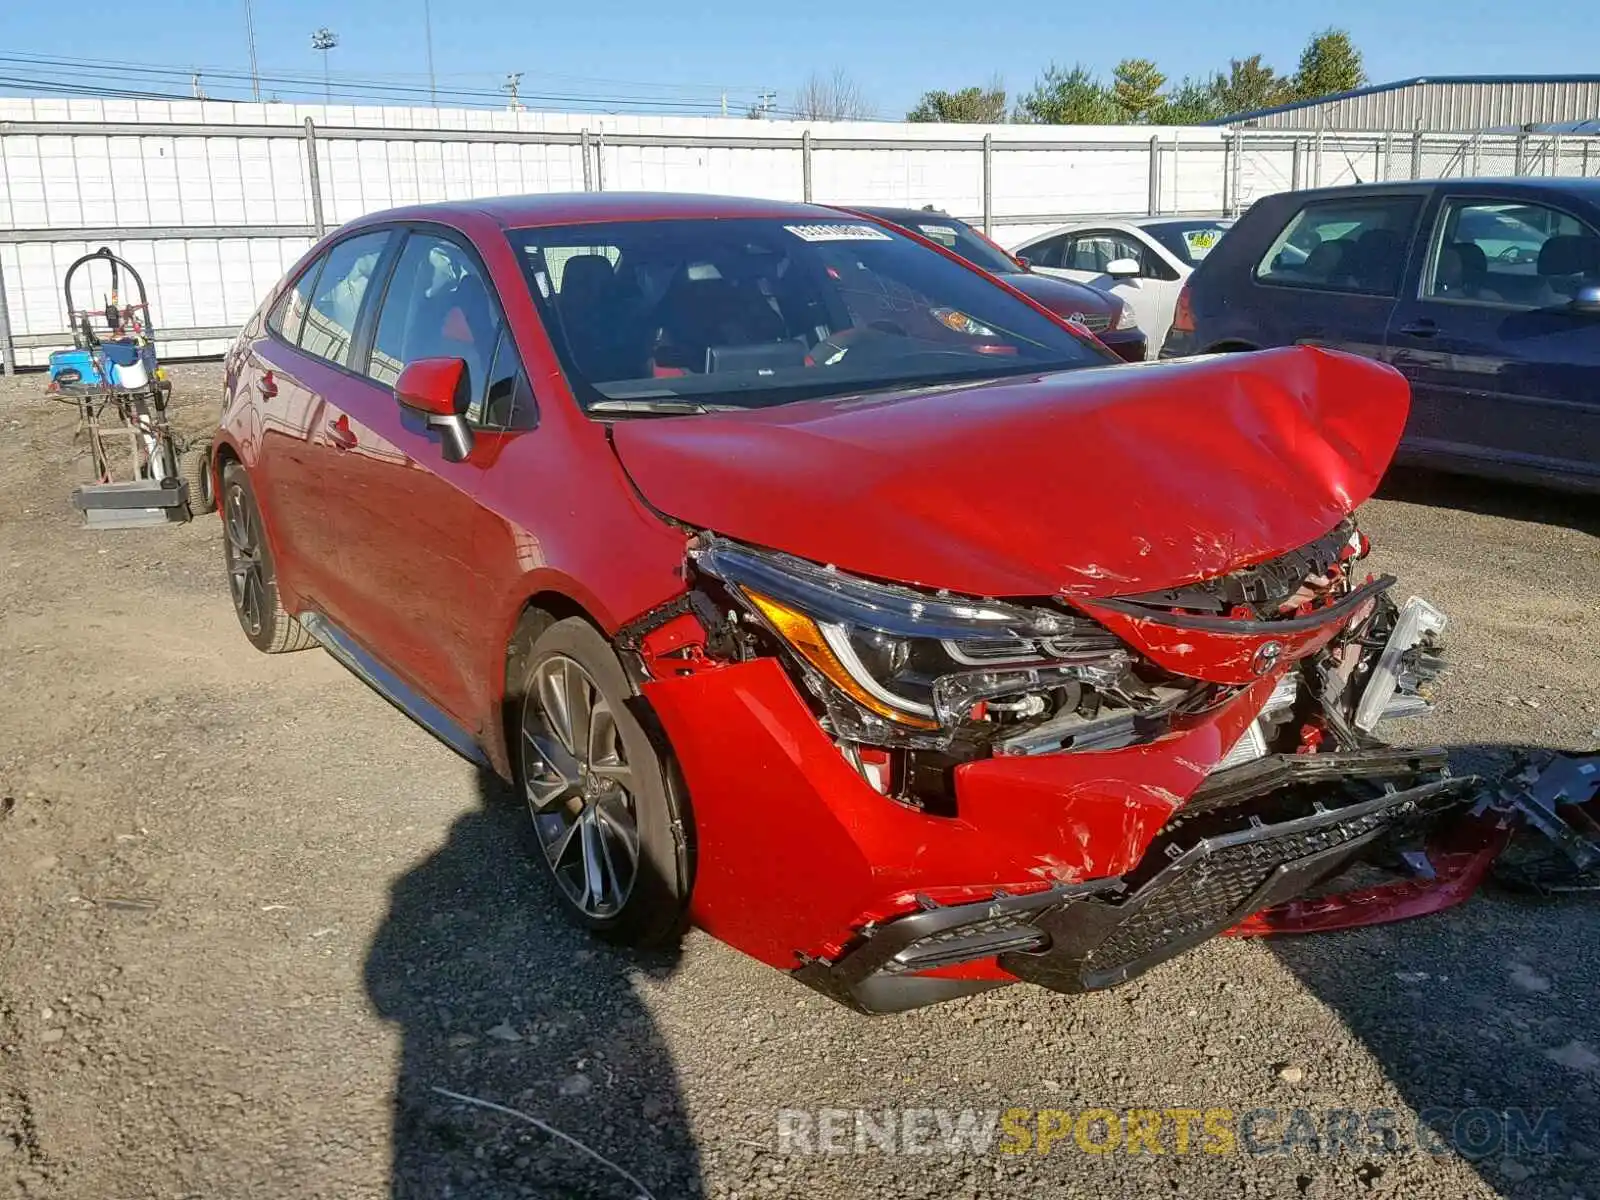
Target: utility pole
x,y
724,102
250,36
513,81
325,39
427,34
765,102
195,88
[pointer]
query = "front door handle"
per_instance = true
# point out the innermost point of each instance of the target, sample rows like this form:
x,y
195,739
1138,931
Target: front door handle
x,y
341,435
1424,328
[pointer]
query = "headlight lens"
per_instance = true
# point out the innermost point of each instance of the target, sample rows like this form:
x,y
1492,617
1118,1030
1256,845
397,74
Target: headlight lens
x,y
1124,318
914,659
831,650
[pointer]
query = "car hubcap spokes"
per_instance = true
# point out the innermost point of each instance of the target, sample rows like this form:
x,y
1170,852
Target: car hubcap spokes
x,y
245,573
580,787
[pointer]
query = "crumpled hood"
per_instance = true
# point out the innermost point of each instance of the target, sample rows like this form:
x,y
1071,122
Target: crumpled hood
x,y
1097,482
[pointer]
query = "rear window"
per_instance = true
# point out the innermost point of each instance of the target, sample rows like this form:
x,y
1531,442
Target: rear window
x,y
1190,241
1352,245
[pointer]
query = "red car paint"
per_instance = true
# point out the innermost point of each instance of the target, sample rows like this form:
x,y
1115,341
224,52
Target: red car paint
x,y
835,852
1092,483
1460,859
1089,485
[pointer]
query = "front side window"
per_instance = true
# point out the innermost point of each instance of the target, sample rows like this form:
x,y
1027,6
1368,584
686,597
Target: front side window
x,y
1097,250
439,305
1046,253
1510,254
330,318
1353,245
751,312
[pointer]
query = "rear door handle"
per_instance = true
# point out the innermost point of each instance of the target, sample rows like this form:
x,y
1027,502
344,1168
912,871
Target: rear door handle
x,y
1424,328
267,385
341,435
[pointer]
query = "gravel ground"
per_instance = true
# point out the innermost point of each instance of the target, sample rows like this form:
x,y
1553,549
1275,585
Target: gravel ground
x,y
250,917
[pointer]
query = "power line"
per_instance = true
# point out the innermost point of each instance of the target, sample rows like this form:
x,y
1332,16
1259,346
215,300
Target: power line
x,y
358,87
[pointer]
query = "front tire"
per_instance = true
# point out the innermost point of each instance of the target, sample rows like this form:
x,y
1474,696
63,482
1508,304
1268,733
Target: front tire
x,y
252,577
607,809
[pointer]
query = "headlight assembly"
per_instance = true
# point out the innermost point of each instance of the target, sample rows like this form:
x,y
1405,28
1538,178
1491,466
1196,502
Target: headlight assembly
x,y
906,660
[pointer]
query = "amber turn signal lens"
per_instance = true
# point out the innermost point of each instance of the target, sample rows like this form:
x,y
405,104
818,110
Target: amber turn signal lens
x,y
801,632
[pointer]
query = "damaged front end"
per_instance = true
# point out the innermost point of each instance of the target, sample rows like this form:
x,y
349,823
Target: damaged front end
x,y
905,794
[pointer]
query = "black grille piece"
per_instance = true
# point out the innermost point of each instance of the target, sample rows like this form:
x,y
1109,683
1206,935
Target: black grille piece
x,y
1204,894
1256,836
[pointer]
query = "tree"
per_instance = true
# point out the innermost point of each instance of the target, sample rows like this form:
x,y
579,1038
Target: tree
x,y
1072,97
1192,102
834,98
1136,87
1249,85
970,105
1330,63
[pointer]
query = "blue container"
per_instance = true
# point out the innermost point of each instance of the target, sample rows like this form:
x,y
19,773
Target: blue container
x,y
74,366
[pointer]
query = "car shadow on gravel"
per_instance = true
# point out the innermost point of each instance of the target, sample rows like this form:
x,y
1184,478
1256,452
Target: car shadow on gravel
x,y
1492,498
499,999
1490,1042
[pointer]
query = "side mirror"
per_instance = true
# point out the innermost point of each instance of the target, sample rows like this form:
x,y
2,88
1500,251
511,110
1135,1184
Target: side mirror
x,y
1586,300
1023,261
437,389
1123,268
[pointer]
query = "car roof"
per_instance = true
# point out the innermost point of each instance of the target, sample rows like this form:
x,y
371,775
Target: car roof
x,y
570,208
1551,184
1153,222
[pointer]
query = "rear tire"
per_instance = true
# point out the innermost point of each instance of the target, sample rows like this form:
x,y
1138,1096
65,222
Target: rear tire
x,y
252,579
609,818
194,468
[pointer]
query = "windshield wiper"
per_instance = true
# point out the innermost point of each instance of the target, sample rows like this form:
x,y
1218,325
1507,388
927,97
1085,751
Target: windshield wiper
x,y
657,407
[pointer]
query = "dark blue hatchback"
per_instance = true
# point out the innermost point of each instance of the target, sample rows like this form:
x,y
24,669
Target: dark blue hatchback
x,y
1485,293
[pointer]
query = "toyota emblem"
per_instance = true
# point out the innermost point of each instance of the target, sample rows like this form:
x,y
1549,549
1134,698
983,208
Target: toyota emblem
x,y
1267,656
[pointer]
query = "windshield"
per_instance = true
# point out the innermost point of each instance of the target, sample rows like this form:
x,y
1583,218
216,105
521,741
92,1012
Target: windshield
x,y
1189,240
960,238
668,315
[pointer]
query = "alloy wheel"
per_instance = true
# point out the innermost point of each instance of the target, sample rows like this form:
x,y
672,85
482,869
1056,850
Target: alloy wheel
x,y
580,787
246,571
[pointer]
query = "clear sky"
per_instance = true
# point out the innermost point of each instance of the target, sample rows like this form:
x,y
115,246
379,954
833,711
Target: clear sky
x,y
634,49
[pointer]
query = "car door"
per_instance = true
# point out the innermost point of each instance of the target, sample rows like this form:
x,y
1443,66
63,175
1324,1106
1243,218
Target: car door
x,y
297,367
1331,276
1501,362
408,519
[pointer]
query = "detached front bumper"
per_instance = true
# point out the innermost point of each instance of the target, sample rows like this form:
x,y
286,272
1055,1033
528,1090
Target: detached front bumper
x,y
1213,866
1072,870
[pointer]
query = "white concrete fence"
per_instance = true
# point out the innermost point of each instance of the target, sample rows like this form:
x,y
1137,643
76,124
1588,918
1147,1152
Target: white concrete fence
x,y
212,201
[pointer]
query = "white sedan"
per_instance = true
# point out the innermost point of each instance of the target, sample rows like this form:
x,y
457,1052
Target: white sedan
x,y
1143,261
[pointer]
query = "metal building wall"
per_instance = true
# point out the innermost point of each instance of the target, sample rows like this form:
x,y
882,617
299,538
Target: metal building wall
x,y
1446,106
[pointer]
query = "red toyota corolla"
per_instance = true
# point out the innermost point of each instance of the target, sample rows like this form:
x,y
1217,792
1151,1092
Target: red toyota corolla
x,y
822,590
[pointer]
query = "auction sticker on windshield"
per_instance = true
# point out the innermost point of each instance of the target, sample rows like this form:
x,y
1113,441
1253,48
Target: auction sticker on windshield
x,y
945,235
1200,241
839,233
